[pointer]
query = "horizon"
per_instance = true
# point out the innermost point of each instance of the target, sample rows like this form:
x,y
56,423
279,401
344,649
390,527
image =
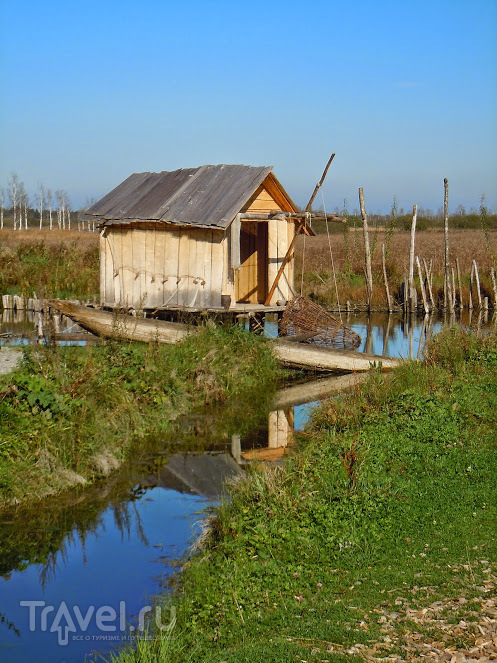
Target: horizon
x,y
405,95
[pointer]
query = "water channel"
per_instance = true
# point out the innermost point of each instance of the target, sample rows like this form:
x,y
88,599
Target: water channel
x,y
76,570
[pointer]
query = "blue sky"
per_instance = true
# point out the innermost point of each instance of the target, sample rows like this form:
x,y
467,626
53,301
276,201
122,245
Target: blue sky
x,y
404,92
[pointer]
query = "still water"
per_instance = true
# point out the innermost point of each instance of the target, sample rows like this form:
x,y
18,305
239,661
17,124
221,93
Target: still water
x,y
76,571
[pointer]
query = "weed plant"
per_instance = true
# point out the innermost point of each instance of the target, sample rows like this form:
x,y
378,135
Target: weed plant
x,y
69,415
388,506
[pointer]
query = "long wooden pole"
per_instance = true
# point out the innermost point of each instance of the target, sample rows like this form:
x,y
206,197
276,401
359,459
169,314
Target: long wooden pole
x,y
477,277
448,303
423,291
459,281
428,283
300,227
367,250
410,286
494,285
319,184
385,278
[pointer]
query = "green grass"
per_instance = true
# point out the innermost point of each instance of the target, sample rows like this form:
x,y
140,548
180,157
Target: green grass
x,y
388,505
69,415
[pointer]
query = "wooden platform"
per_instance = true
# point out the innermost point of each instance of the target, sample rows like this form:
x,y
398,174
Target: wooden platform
x,y
191,315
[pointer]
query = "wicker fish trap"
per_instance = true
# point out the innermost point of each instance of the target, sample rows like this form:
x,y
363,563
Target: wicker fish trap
x,y
309,320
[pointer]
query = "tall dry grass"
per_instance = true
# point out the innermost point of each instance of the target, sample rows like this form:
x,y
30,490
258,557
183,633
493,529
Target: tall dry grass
x,y
348,257
49,263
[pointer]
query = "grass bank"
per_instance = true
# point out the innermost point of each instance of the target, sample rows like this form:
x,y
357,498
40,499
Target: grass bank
x,y
69,415
376,539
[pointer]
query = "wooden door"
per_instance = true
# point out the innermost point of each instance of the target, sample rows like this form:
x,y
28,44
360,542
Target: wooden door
x,y
251,277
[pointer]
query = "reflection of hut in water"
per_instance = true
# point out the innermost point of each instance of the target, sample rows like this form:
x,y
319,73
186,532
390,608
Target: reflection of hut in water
x,y
186,238
197,474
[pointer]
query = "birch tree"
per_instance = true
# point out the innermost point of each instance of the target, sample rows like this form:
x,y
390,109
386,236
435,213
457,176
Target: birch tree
x,y
23,206
13,185
60,205
67,207
41,202
50,208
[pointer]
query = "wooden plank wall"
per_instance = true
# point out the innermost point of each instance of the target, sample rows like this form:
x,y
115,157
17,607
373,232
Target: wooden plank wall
x,y
149,264
155,265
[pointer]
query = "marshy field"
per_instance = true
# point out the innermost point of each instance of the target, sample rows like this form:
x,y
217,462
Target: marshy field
x,y
373,541
64,264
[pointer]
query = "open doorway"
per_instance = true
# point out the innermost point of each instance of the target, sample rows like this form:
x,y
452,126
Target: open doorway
x,y
252,276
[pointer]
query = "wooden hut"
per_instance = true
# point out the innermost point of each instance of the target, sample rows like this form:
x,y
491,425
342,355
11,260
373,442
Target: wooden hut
x,y
201,237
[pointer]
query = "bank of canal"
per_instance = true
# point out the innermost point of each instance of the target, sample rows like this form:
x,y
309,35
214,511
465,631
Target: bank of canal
x,y
114,546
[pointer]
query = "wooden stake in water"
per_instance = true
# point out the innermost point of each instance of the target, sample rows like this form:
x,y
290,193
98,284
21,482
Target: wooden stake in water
x,y
411,291
459,283
453,288
385,278
428,283
423,291
477,276
470,304
367,251
447,288
494,286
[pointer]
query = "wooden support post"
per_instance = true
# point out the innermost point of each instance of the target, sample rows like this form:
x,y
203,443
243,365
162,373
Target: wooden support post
x,y
494,286
428,283
411,296
386,336
385,278
423,291
470,304
422,337
459,283
8,302
477,276
453,289
367,251
447,288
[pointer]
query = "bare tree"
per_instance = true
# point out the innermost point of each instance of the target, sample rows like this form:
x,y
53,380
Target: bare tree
x,y
14,185
41,202
50,207
59,197
67,207
23,206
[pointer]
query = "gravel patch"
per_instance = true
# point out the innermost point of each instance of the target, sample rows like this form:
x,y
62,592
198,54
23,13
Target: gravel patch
x,y
9,359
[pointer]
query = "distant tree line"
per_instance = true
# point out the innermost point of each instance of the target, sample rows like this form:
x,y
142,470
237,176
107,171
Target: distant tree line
x,y
49,208
398,219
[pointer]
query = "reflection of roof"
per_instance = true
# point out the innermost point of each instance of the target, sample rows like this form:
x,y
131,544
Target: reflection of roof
x,y
199,474
207,196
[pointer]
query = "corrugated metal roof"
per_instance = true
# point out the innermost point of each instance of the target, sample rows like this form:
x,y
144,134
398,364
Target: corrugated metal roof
x,y
207,196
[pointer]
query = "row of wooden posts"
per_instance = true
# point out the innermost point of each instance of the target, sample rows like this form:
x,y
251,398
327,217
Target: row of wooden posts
x,y
425,272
